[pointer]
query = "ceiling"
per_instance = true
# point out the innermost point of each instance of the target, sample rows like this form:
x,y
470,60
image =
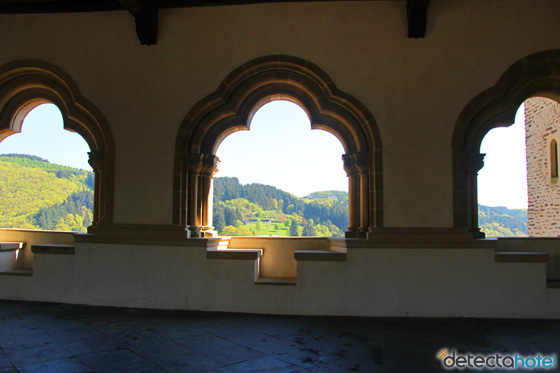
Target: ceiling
x,y
145,12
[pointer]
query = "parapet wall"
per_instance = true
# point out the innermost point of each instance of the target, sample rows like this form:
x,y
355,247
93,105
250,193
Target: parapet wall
x,y
542,122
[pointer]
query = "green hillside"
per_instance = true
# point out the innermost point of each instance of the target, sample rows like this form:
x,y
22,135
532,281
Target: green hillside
x,y
502,222
36,194
263,210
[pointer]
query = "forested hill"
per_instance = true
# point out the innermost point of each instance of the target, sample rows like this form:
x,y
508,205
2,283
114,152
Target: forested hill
x,y
37,194
257,209
242,209
502,222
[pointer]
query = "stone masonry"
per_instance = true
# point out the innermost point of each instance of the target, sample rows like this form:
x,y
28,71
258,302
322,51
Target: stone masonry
x,y
542,123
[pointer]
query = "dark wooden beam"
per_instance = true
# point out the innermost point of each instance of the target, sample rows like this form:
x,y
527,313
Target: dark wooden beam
x,y
417,14
145,13
71,6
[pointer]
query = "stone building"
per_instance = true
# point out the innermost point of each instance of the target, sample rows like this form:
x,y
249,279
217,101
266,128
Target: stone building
x,y
542,123
410,88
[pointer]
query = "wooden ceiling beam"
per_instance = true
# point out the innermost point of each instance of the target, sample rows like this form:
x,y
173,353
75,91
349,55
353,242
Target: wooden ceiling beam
x,y
417,15
145,13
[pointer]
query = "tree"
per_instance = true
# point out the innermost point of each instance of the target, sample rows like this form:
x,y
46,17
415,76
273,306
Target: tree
x,y
230,230
293,229
258,226
244,231
219,220
309,229
231,214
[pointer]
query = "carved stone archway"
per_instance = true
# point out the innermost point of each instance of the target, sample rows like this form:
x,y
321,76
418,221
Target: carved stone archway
x,y
535,75
27,84
231,107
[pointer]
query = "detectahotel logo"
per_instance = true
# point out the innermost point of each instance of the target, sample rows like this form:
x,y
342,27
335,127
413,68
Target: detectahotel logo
x,y
453,360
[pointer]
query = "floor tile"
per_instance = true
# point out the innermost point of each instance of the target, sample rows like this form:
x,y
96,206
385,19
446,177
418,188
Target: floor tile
x,y
23,357
157,351
192,362
206,343
23,340
260,342
116,360
263,364
233,355
57,366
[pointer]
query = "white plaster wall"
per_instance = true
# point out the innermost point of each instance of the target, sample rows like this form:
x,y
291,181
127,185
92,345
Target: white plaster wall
x,y
373,282
548,246
415,89
33,237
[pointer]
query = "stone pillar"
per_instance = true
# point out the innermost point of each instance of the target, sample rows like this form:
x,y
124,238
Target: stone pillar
x,y
353,195
472,163
194,165
202,169
210,167
363,165
97,162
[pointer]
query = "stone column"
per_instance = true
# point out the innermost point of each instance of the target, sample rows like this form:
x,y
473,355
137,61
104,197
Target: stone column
x,y
202,169
472,163
195,166
210,167
363,166
353,194
97,162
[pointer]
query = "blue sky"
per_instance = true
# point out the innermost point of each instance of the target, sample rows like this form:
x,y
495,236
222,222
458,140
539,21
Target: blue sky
x,y
282,150
42,134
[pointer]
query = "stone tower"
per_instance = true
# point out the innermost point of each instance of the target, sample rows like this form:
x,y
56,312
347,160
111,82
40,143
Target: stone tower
x,y
542,126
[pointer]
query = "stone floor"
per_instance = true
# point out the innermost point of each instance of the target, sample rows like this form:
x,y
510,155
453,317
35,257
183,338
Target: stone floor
x,y
46,337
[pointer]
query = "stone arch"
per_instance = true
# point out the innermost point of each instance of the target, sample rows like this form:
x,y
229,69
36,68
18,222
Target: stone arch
x,y
26,84
535,75
231,107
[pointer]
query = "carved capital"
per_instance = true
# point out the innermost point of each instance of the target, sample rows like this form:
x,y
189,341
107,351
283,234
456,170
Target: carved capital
x,y
203,164
195,163
472,163
357,163
210,165
349,164
96,160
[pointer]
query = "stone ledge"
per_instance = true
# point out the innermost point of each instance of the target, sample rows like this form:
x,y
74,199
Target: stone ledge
x,y
234,254
276,281
319,255
24,272
520,257
53,249
356,243
419,233
148,241
11,246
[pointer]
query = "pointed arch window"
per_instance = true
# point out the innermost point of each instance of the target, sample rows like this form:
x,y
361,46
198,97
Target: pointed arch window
x,y
554,159
231,108
27,84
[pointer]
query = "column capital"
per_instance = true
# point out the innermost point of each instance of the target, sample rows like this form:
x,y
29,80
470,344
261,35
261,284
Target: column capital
x,y
473,162
356,163
96,159
203,164
211,165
